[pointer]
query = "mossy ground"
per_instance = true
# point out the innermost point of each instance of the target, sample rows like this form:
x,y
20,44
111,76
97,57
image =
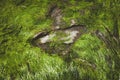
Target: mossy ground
x,y
21,19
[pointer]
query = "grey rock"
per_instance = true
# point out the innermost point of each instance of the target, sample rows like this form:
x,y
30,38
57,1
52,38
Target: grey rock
x,y
58,41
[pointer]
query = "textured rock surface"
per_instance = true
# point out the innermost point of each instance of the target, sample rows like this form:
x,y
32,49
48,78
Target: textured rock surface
x,y
58,41
55,13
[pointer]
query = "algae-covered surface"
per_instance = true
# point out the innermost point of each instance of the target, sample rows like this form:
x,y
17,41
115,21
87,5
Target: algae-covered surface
x,y
39,40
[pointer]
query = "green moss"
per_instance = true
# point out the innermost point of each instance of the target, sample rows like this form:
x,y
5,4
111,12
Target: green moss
x,y
92,50
21,20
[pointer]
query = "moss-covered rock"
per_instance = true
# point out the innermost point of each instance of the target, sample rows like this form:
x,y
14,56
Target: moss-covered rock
x,y
20,20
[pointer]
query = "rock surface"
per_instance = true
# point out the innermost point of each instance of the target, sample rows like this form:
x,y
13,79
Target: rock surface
x,y
55,13
58,41
60,38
